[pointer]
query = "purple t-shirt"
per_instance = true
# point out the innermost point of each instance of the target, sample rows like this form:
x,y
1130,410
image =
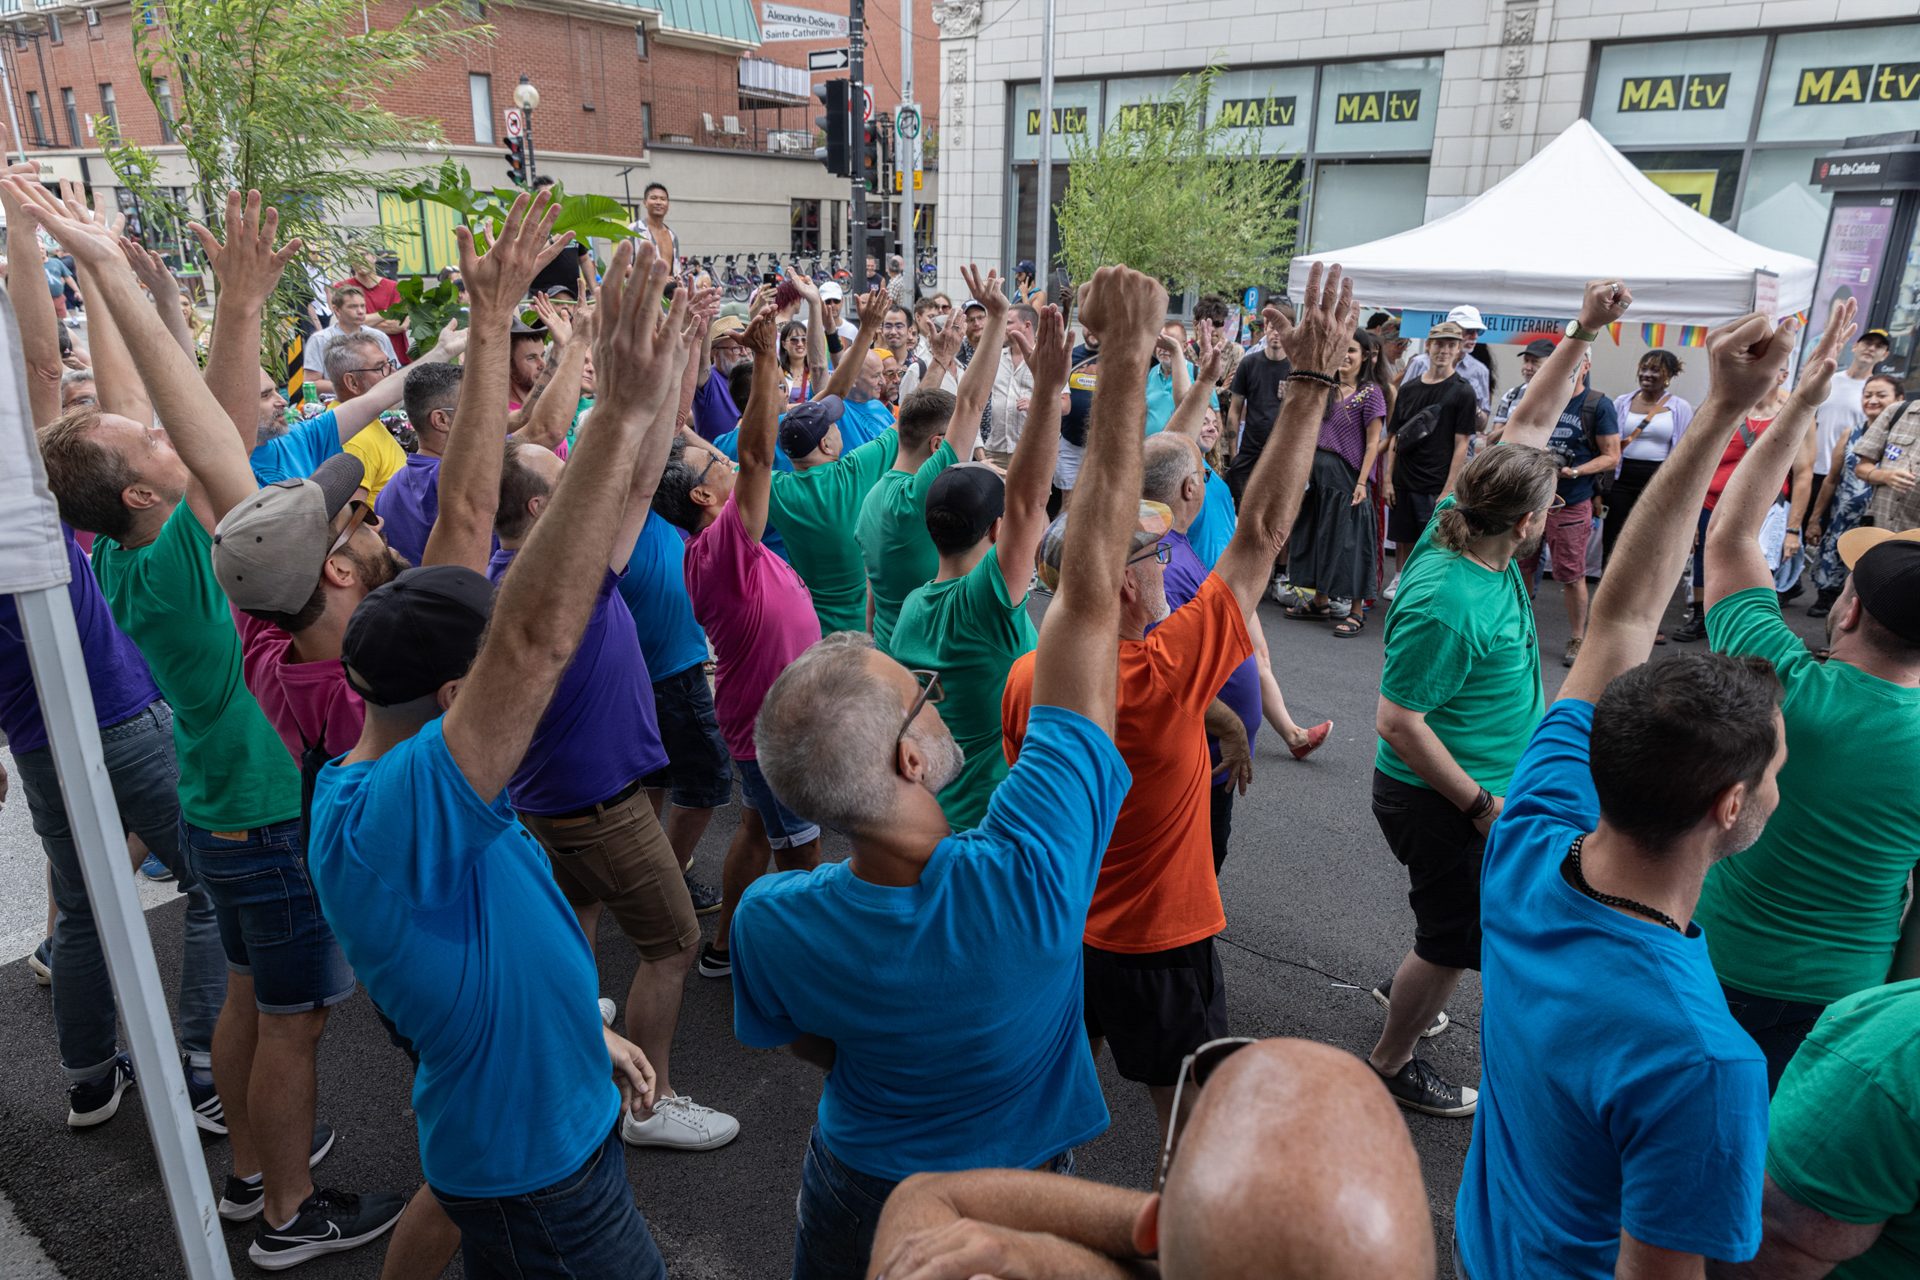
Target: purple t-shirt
x,y
1345,429
599,733
122,688
1241,692
714,412
409,504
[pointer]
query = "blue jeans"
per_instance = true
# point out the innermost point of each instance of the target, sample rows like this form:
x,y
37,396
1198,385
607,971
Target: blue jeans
x,y
785,828
585,1226
146,785
270,921
839,1208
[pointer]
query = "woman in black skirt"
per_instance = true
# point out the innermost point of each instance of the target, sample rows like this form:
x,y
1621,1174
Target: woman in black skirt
x,y
1333,549
1652,420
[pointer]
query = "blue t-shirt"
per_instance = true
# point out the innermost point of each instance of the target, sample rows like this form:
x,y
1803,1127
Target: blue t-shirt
x,y
447,909
728,442
655,589
409,504
599,733
863,421
714,411
1616,1090
967,1047
122,686
1161,402
295,455
1213,528
1569,440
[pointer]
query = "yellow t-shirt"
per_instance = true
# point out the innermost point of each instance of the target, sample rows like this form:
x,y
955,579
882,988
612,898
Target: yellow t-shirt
x,y
379,453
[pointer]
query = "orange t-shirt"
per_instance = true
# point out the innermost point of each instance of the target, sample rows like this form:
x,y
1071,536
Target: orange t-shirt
x,y
1157,889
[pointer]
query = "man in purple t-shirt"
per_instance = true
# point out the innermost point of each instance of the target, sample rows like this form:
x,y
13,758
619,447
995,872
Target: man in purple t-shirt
x,y
714,409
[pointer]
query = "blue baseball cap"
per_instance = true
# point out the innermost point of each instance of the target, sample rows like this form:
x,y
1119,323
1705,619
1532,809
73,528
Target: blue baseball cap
x,y
806,425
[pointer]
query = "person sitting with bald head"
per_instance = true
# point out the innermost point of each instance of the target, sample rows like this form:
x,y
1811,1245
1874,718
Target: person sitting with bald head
x,y
1294,1163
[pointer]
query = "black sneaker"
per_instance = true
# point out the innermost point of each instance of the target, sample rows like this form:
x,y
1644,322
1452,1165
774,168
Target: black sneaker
x,y
95,1101
1383,996
706,898
241,1199
1692,628
329,1221
1418,1087
715,964
208,1115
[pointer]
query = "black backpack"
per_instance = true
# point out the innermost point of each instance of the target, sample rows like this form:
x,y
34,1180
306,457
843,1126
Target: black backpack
x,y
1589,418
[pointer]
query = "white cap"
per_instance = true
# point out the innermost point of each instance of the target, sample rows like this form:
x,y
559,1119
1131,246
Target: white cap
x,y
831,292
1467,318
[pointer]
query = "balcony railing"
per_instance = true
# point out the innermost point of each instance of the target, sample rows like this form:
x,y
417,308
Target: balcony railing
x,y
762,80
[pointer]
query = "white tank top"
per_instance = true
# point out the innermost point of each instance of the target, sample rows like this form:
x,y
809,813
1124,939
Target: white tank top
x,y
1655,441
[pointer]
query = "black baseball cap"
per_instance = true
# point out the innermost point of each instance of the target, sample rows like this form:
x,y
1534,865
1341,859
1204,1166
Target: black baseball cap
x,y
806,425
967,496
417,632
1886,577
1539,348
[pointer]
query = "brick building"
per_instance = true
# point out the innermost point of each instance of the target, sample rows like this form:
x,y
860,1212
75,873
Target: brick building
x,y
678,91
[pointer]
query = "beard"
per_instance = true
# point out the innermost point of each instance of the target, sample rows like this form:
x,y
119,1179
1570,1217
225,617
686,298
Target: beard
x,y
1531,547
1746,829
271,428
377,570
944,759
1153,598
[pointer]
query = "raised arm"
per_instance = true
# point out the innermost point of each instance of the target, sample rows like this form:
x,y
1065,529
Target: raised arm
x,y
164,289
1742,360
1539,409
873,307
816,325
1734,560
657,443
1077,663
116,385
547,595
246,268
33,305
552,414
1273,493
1168,352
1030,474
1012,1222
759,426
976,384
470,469
1191,415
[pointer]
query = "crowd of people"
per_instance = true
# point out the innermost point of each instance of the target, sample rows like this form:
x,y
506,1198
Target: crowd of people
x,y
412,720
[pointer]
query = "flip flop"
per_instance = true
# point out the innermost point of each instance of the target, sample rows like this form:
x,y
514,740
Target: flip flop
x,y
1315,736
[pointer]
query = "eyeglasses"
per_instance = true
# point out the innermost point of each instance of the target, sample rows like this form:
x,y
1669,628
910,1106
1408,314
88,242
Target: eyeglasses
x,y
1557,503
943,307
931,691
1197,1066
700,477
385,366
1160,551
358,514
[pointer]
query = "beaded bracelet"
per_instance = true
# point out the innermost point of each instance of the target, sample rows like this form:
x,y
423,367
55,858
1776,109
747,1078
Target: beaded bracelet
x,y
1305,375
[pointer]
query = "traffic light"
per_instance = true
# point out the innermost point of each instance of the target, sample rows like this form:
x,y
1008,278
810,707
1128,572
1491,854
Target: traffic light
x,y
836,124
870,155
517,161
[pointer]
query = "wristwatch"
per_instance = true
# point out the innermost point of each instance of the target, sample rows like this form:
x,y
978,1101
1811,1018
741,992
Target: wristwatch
x,y
1578,334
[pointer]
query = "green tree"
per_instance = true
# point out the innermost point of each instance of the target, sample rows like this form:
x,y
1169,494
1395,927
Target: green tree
x,y
1168,191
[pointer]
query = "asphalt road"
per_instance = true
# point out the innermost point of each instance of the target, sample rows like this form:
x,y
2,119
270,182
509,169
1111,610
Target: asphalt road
x,y
1316,913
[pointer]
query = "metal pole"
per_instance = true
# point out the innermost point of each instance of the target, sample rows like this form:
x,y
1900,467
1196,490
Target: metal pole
x,y
857,71
13,116
1043,188
532,173
911,165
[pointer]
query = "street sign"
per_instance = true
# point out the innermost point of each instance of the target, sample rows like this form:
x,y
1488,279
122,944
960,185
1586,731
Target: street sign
x,y
918,180
828,60
515,126
866,103
906,121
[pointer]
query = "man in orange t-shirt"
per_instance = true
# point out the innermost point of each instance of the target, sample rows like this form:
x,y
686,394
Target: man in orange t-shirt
x,y
1153,981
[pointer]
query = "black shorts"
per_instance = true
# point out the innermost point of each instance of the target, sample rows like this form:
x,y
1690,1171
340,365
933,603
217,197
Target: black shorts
x,y
1221,817
1155,1008
699,769
1408,517
1441,851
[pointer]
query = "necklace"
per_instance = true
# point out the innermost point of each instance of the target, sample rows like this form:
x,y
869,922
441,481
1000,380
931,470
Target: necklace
x,y
1579,881
1475,557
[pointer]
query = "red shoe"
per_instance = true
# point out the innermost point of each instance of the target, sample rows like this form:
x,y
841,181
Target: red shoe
x,y
1315,736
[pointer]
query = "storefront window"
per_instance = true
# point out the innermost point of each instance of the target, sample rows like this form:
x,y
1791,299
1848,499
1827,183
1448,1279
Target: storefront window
x,y
1842,84
1127,99
1704,181
1355,203
1678,91
1780,209
1278,103
1076,115
1378,106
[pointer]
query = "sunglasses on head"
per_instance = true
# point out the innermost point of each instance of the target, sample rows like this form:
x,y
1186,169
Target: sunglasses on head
x,y
358,513
1196,1068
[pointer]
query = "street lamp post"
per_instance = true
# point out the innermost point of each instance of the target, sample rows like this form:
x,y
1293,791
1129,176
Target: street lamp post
x,y
527,98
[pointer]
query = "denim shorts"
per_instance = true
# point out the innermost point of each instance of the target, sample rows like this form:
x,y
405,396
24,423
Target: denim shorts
x,y
270,921
697,773
785,828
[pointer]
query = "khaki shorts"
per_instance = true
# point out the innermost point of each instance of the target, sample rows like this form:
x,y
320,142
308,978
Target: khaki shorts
x,y
619,856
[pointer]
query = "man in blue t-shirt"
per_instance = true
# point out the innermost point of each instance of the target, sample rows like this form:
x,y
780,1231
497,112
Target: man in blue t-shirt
x,y
937,976
445,904
1623,1113
1586,443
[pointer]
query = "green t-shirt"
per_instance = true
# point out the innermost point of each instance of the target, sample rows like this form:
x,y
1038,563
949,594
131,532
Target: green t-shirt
x,y
1461,649
815,511
1844,1133
1812,911
970,632
894,542
234,773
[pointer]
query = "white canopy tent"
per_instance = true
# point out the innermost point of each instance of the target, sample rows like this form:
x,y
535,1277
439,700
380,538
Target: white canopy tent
x,y
1577,211
33,569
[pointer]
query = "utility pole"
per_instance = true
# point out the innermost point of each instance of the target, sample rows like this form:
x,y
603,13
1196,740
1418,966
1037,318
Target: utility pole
x,y
1043,203
856,107
909,167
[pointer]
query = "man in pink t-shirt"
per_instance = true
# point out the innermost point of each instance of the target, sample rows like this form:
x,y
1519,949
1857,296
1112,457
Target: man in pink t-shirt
x,y
758,616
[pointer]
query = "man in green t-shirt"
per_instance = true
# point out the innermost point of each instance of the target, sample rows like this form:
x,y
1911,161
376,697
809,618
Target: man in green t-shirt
x,y
155,510
1843,1148
1812,911
1460,694
936,430
817,504
971,622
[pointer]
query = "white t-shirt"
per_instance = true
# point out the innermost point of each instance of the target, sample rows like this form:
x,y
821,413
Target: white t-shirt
x,y
314,361
1836,419
1655,440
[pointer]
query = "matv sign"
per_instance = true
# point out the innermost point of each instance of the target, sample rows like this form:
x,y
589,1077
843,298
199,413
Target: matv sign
x,y
1377,106
1674,93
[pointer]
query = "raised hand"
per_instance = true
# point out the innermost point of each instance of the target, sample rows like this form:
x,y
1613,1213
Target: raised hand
x,y
1277,322
945,343
1050,353
498,279
985,289
1022,344
72,227
1816,378
630,348
873,308
152,272
553,318
1605,302
1121,305
1210,351
760,336
247,263
1320,336
1166,350
804,285
1745,359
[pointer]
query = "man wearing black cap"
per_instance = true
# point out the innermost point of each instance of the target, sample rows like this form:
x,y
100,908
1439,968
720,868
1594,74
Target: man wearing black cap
x,y
1532,356
446,903
1812,911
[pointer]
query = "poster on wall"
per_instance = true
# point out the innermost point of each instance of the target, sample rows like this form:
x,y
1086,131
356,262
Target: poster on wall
x,y
1691,187
1850,264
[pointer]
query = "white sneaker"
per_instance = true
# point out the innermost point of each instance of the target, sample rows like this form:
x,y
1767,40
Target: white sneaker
x,y
681,1123
1386,592
606,1012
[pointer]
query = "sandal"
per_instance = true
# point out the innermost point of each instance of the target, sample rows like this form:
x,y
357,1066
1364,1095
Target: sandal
x,y
1298,608
1351,625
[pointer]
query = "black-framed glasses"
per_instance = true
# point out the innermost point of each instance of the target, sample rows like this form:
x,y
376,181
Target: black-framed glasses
x,y
700,477
358,513
385,366
1160,551
1197,1067
931,691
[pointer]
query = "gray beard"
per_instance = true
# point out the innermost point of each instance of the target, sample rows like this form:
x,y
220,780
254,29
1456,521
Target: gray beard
x,y
272,429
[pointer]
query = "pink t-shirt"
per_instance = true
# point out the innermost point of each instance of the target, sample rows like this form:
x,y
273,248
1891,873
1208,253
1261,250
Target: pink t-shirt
x,y
757,614
305,702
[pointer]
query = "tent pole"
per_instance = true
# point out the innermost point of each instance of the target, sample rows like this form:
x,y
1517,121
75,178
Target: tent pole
x,y
66,704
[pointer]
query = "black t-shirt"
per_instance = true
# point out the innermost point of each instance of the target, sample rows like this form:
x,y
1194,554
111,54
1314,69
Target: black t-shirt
x,y
1423,467
563,271
1261,381
1083,371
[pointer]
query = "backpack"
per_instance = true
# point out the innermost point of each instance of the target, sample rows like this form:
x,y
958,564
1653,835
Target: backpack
x,y
1589,417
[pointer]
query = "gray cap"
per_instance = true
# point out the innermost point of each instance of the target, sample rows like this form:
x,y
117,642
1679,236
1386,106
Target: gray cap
x,y
267,551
